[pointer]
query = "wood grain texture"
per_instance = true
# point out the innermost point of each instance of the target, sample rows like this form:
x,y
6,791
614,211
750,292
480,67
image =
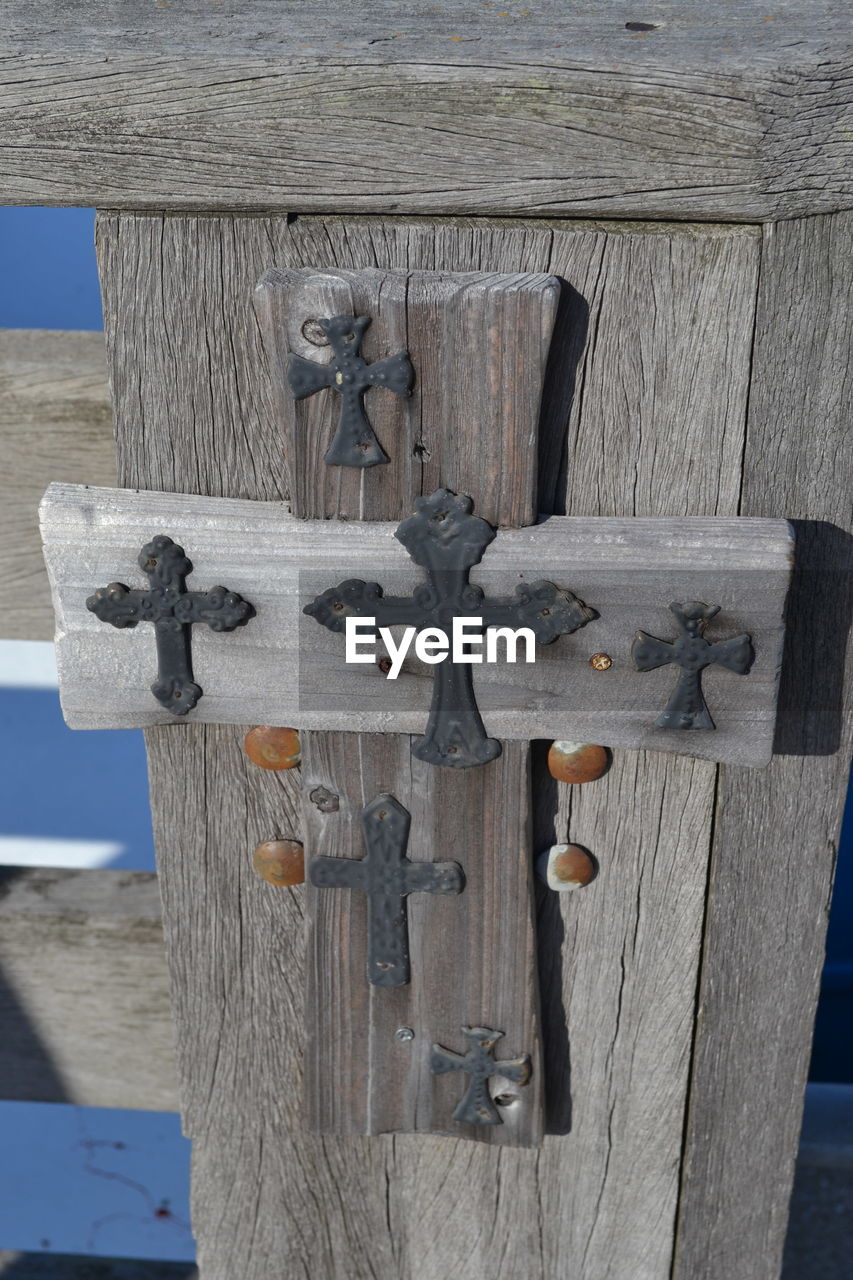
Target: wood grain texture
x,y
84,990
600,1198
281,669
55,424
719,112
479,345
775,840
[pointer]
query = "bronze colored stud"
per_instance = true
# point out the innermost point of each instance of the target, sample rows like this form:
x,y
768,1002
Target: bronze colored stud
x,y
566,866
577,761
280,862
273,748
601,661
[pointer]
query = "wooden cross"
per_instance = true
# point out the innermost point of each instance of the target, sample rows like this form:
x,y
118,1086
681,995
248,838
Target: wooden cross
x,y
476,1106
173,610
473,955
387,876
687,708
447,540
355,443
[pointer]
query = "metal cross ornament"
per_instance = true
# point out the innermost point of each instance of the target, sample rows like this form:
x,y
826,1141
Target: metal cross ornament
x,y
687,708
355,443
476,1106
447,540
387,876
173,610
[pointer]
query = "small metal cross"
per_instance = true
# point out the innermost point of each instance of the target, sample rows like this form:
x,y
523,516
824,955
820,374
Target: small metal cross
x,y
354,443
387,876
445,539
476,1106
173,610
687,708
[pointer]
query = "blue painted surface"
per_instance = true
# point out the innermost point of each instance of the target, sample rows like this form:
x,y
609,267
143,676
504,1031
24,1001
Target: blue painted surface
x,y
87,786
48,278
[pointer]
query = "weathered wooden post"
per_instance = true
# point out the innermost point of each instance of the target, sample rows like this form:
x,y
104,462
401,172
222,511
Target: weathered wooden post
x,y
695,370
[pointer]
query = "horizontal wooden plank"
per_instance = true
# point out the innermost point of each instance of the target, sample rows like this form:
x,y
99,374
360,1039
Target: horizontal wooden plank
x,y
282,668
55,424
84,990
715,112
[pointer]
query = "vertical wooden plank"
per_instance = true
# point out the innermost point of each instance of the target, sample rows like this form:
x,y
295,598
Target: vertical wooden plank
x,y
479,344
619,960
776,830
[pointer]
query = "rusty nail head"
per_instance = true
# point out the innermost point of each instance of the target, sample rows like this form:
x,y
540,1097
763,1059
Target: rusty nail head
x,y
272,748
576,762
566,866
601,661
280,862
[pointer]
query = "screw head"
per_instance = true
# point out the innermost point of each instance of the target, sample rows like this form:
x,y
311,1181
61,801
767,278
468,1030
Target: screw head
x,y
280,862
601,661
404,1034
272,748
575,762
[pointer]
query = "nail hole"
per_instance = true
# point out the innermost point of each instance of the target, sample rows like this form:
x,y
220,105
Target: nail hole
x,y
422,452
313,333
384,665
640,26
338,607
150,563
382,815
382,964
505,1099
349,337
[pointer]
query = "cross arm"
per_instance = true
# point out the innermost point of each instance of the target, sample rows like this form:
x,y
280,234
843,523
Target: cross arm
x,y
221,609
116,604
444,1060
394,373
357,599
338,873
648,652
548,610
517,1070
434,877
736,654
307,376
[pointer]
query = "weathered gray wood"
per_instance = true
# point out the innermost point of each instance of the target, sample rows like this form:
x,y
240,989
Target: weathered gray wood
x,y
462,331
776,837
282,668
55,424
721,111
493,331
68,1266
657,314
84,990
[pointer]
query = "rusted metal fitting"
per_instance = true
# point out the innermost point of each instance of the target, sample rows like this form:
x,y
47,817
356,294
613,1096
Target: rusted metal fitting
x,y
577,761
272,748
566,866
280,862
601,661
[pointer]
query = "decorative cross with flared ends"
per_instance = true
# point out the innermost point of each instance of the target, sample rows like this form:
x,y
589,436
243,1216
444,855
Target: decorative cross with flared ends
x,y
476,1106
355,443
687,708
447,540
173,610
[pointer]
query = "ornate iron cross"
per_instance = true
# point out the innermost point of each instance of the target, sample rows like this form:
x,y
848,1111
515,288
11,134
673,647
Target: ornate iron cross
x,y
355,443
173,610
476,1106
387,876
445,539
687,708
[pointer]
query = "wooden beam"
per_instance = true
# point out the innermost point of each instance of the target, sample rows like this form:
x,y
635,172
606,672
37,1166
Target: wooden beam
x,y
284,669
55,424
776,836
84,992
652,316
715,112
